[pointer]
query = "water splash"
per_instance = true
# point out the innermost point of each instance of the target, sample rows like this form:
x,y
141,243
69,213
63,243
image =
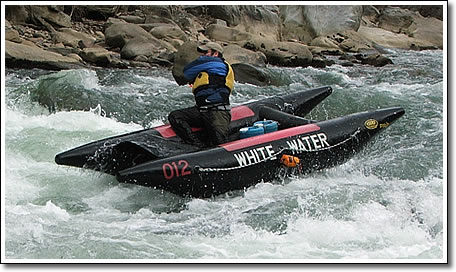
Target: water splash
x,y
386,203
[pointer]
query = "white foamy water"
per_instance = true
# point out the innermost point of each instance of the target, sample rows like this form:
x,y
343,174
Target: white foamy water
x,y
388,203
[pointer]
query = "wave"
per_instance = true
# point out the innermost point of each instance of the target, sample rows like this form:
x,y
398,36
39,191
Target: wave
x,y
388,202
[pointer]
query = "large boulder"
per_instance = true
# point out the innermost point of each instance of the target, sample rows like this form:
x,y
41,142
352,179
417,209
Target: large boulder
x,y
145,46
389,39
243,22
309,21
230,14
435,11
351,41
236,54
21,55
422,32
428,29
10,33
99,12
118,34
396,20
168,32
47,14
259,76
226,34
325,42
289,54
277,53
97,55
16,14
72,38
263,21
258,20
184,55
376,60
324,20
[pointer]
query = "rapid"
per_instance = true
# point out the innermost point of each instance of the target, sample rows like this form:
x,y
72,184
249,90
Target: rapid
x,y
386,203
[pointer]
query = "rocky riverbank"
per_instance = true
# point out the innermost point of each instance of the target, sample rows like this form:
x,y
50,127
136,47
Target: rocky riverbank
x,y
68,37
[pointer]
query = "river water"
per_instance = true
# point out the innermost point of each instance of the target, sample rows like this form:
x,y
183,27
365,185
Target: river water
x,y
388,203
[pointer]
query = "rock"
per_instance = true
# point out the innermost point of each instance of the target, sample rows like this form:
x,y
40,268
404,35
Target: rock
x,y
160,61
320,61
236,54
184,55
351,41
11,34
220,22
393,40
133,19
243,22
149,27
97,56
308,22
259,76
289,54
371,12
49,15
263,21
376,60
176,43
76,57
298,35
111,20
435,11
294,24
70,37
64,51
163,11
101,12
16,14
168,32
226,34
190,25
396,20
316,50
324,41
118,34
228,13
154,19
24,56
146,46
428,30
427,33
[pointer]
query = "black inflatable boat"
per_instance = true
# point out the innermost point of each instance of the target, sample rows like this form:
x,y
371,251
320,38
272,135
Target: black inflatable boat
x,y
156,157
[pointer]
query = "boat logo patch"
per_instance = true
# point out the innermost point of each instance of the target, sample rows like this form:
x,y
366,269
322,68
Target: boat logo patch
x,y
371,124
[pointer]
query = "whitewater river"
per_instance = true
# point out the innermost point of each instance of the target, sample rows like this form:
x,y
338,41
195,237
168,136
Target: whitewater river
x,y
388,203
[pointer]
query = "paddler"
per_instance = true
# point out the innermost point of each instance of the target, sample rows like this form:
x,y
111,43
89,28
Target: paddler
x,y
212,81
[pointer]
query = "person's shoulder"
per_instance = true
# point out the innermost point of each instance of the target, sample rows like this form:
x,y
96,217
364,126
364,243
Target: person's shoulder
x,y
211,58
205,59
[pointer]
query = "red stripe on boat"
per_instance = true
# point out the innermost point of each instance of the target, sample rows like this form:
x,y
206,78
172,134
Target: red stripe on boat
x,y
269,137
236,113
241,112
166,131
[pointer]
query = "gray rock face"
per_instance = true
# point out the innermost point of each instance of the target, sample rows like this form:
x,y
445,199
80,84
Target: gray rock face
x,y
64,37
308,22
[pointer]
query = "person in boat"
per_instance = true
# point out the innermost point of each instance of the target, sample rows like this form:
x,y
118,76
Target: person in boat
x,y
212,81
